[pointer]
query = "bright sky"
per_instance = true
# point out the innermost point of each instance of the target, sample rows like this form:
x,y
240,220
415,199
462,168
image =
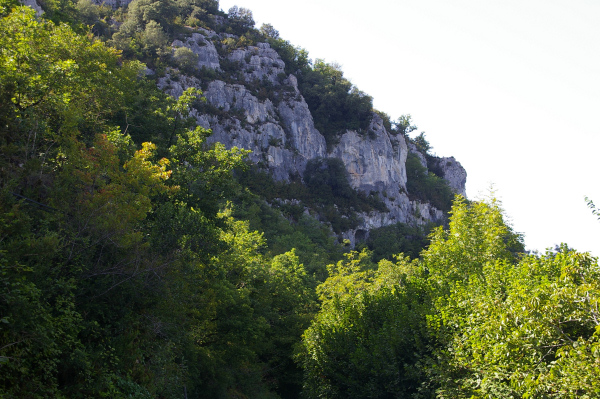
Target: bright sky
x,y
511,88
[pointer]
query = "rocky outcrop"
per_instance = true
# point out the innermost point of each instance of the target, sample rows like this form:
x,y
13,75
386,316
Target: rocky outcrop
x,y
453,172
447,168
203,48
413,150
35,5
298,122
259,63
174,83
261,109
281,138
374,161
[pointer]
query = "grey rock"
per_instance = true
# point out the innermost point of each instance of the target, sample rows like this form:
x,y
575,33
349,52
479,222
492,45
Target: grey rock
x,y
259,62
298,123
174,83
235,96
400,210
376,161
413,150
454,174
372,161
34,4
280,134
203,48
281,139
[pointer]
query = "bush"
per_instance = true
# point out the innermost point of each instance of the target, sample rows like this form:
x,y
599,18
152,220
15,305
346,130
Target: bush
x,y
334,102
385,242
185,58
425,186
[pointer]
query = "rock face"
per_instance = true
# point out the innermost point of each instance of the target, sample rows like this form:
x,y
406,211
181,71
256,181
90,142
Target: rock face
x,y
261,109
203,48
454,174
376,162
34,4
413,150
258,63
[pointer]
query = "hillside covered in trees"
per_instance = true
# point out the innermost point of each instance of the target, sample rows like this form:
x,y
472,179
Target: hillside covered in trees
x,y
144,255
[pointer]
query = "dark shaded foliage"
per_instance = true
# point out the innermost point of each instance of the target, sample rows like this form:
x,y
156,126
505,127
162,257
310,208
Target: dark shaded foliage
x,y
325,188
335,103
388,241
425,186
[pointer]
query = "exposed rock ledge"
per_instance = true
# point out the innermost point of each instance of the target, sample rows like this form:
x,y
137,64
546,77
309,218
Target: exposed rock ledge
x,y
280,133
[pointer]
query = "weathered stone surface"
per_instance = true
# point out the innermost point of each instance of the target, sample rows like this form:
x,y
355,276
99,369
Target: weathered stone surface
x,y
298,123
454,174
203,48
174,83
259,62
376,161
413,150
282,139
279,131
372,161
401,210
33,4
231,97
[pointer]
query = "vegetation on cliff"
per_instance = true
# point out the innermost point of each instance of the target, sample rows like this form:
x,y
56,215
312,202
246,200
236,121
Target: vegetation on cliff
x,y
137,261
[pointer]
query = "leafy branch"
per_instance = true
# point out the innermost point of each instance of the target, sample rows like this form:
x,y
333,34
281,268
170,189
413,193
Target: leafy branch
x,y
592,206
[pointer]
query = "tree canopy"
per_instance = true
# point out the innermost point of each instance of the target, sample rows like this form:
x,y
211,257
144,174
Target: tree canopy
x,y
137,261
472,317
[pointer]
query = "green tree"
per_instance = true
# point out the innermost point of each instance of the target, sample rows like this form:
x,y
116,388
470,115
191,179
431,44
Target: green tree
x,y
269,31
593,208
404,125
422,144
296,58
154,40
425,186
185,58
370,334
117,270
335,103
393,331
528,329
240,20
145,31
508,325
197,12
388,241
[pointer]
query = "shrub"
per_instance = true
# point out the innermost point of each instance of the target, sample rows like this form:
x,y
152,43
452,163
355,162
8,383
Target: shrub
x,y
185,58
425,186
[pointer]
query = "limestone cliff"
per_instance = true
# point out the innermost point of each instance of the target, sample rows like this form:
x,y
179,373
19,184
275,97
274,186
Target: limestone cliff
x,y
253,104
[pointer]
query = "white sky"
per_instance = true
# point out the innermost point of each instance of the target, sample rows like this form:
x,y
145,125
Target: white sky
x,y
511,88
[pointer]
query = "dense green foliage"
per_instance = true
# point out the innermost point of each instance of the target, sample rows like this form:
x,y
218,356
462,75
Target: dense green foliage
x,y
136,261
286,225
123,273
334,102
325,189
470,318
425,186
369,335
388,241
